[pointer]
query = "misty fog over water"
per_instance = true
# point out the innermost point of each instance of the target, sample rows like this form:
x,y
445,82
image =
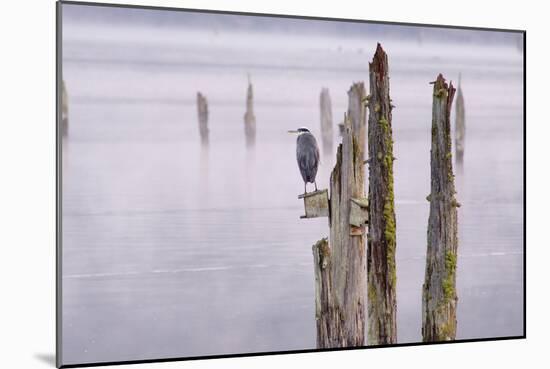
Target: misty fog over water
x,y
173,250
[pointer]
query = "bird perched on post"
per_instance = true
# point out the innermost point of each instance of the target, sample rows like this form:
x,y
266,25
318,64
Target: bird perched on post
x,y
307,156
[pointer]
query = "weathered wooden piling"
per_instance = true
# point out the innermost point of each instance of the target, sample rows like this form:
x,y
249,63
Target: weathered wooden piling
x,y
460,124
439,298
202,108
326,121
340,266
249,117
381,238
326,315
64,109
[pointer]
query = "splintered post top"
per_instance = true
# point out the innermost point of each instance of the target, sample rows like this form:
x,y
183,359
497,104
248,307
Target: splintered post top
x,y
379,62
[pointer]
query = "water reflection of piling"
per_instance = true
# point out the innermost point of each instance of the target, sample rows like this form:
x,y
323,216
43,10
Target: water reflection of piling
x,y
64,110
460,125
326,121
439,298
204,167
340,265
202,108
381,266
250,139
249,118
341,129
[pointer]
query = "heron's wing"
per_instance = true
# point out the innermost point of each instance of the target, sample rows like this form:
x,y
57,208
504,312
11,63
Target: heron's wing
x,y
307,154
314,160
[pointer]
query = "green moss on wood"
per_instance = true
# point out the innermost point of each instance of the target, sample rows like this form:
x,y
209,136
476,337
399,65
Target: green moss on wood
x,y
389,234
450,272
372,291
442,92
389,210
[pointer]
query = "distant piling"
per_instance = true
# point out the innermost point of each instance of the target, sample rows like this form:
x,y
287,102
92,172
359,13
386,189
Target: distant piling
x,y
326,121
340,263
249,117
64,109
381,266
460,124
202,108
439,298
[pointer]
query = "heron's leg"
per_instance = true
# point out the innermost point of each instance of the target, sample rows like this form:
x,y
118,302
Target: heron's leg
x,y
315,185
305,188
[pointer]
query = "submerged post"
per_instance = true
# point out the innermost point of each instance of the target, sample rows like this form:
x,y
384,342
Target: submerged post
x,y
381,239
460,125
64,109
249,118
202,108
326,121
439,297
340,267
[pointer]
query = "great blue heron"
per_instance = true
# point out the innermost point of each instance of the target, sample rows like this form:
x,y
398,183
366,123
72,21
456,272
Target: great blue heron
x,y
307,155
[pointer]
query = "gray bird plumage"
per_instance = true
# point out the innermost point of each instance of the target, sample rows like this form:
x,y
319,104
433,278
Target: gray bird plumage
x,y
307,156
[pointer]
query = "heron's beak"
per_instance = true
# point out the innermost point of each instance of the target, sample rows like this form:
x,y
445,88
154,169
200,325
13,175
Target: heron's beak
x,y
293,131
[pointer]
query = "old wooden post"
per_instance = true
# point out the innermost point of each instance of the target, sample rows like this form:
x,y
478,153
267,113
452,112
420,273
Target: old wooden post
x,y
326,314
460,124
202,108
381,239
326,121
340,266
439,297
64,109
249,118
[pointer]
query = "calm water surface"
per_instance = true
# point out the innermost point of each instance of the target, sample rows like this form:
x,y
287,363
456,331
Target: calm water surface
x,y
171,250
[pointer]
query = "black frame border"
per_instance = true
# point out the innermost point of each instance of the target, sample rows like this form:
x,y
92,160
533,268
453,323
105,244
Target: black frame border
x,y
58,184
